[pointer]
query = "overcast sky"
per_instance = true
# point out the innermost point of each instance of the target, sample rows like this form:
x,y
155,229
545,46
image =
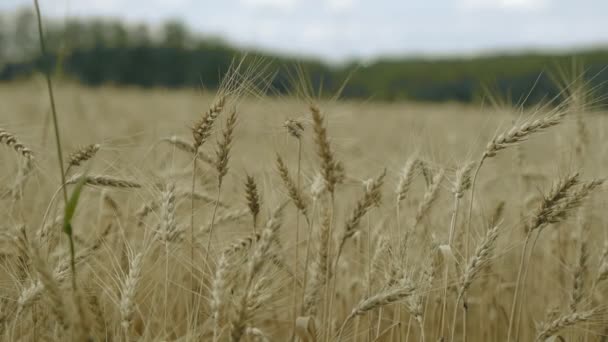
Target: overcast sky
x,y
341,29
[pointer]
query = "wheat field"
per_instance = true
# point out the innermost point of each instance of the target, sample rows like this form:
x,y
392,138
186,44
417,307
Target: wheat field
x,y
239,216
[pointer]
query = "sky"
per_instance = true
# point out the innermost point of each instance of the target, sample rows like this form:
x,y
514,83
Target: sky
x,y
341,30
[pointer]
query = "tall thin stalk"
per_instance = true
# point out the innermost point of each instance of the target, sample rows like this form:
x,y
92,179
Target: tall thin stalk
x,y
193,188
49,84
200,132
468,223
295,268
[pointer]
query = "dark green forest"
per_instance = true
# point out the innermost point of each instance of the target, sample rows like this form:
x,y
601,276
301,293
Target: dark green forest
x,y
103,51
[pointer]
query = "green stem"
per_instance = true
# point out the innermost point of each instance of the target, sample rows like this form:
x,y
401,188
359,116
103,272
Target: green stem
x,y
193,292
295,266
52,99
49,84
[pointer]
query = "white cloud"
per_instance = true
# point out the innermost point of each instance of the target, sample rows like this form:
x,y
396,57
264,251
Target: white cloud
x,y
340,5
506,4
284,5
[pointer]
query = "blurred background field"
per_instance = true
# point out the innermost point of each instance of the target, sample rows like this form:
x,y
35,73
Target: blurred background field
x,y
516,86
521,60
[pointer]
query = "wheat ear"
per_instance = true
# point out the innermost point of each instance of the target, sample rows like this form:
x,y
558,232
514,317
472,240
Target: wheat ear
x,y
103,180
549,329
253,199
378,300
12,141
128,291
81,155
331,169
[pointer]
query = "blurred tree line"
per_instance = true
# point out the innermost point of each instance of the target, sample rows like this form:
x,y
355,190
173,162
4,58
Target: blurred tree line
x,y
100,51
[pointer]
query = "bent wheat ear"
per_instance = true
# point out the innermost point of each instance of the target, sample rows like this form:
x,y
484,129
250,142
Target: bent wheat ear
x,y
564,198
294,127
11,140
549,329
521,132
378,300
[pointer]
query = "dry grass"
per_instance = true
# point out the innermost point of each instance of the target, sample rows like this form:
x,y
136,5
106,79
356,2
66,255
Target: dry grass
x,y
382,255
